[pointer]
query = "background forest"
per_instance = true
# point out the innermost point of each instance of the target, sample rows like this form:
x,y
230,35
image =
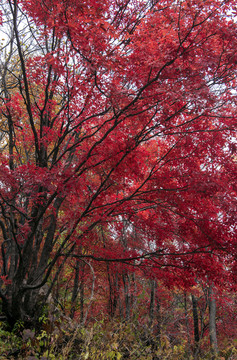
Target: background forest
x,y
118,179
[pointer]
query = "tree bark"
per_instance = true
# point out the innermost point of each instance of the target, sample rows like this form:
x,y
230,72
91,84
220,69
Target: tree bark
x,y
75,290
195,323
187,323
212,322
126,283
152,303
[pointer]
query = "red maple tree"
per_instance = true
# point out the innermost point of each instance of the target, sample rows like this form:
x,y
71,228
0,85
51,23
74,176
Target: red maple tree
x,y
118,145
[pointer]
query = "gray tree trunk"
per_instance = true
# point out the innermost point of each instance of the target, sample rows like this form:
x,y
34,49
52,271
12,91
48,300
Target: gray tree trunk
x,y
212,322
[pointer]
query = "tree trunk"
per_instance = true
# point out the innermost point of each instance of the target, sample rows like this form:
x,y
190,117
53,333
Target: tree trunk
x,y
113,293
212,322
75,290
81,292
126,283
187,323
152,303
195,324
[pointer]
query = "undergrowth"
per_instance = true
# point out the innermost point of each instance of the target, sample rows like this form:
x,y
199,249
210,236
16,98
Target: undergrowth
x,y
62,339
